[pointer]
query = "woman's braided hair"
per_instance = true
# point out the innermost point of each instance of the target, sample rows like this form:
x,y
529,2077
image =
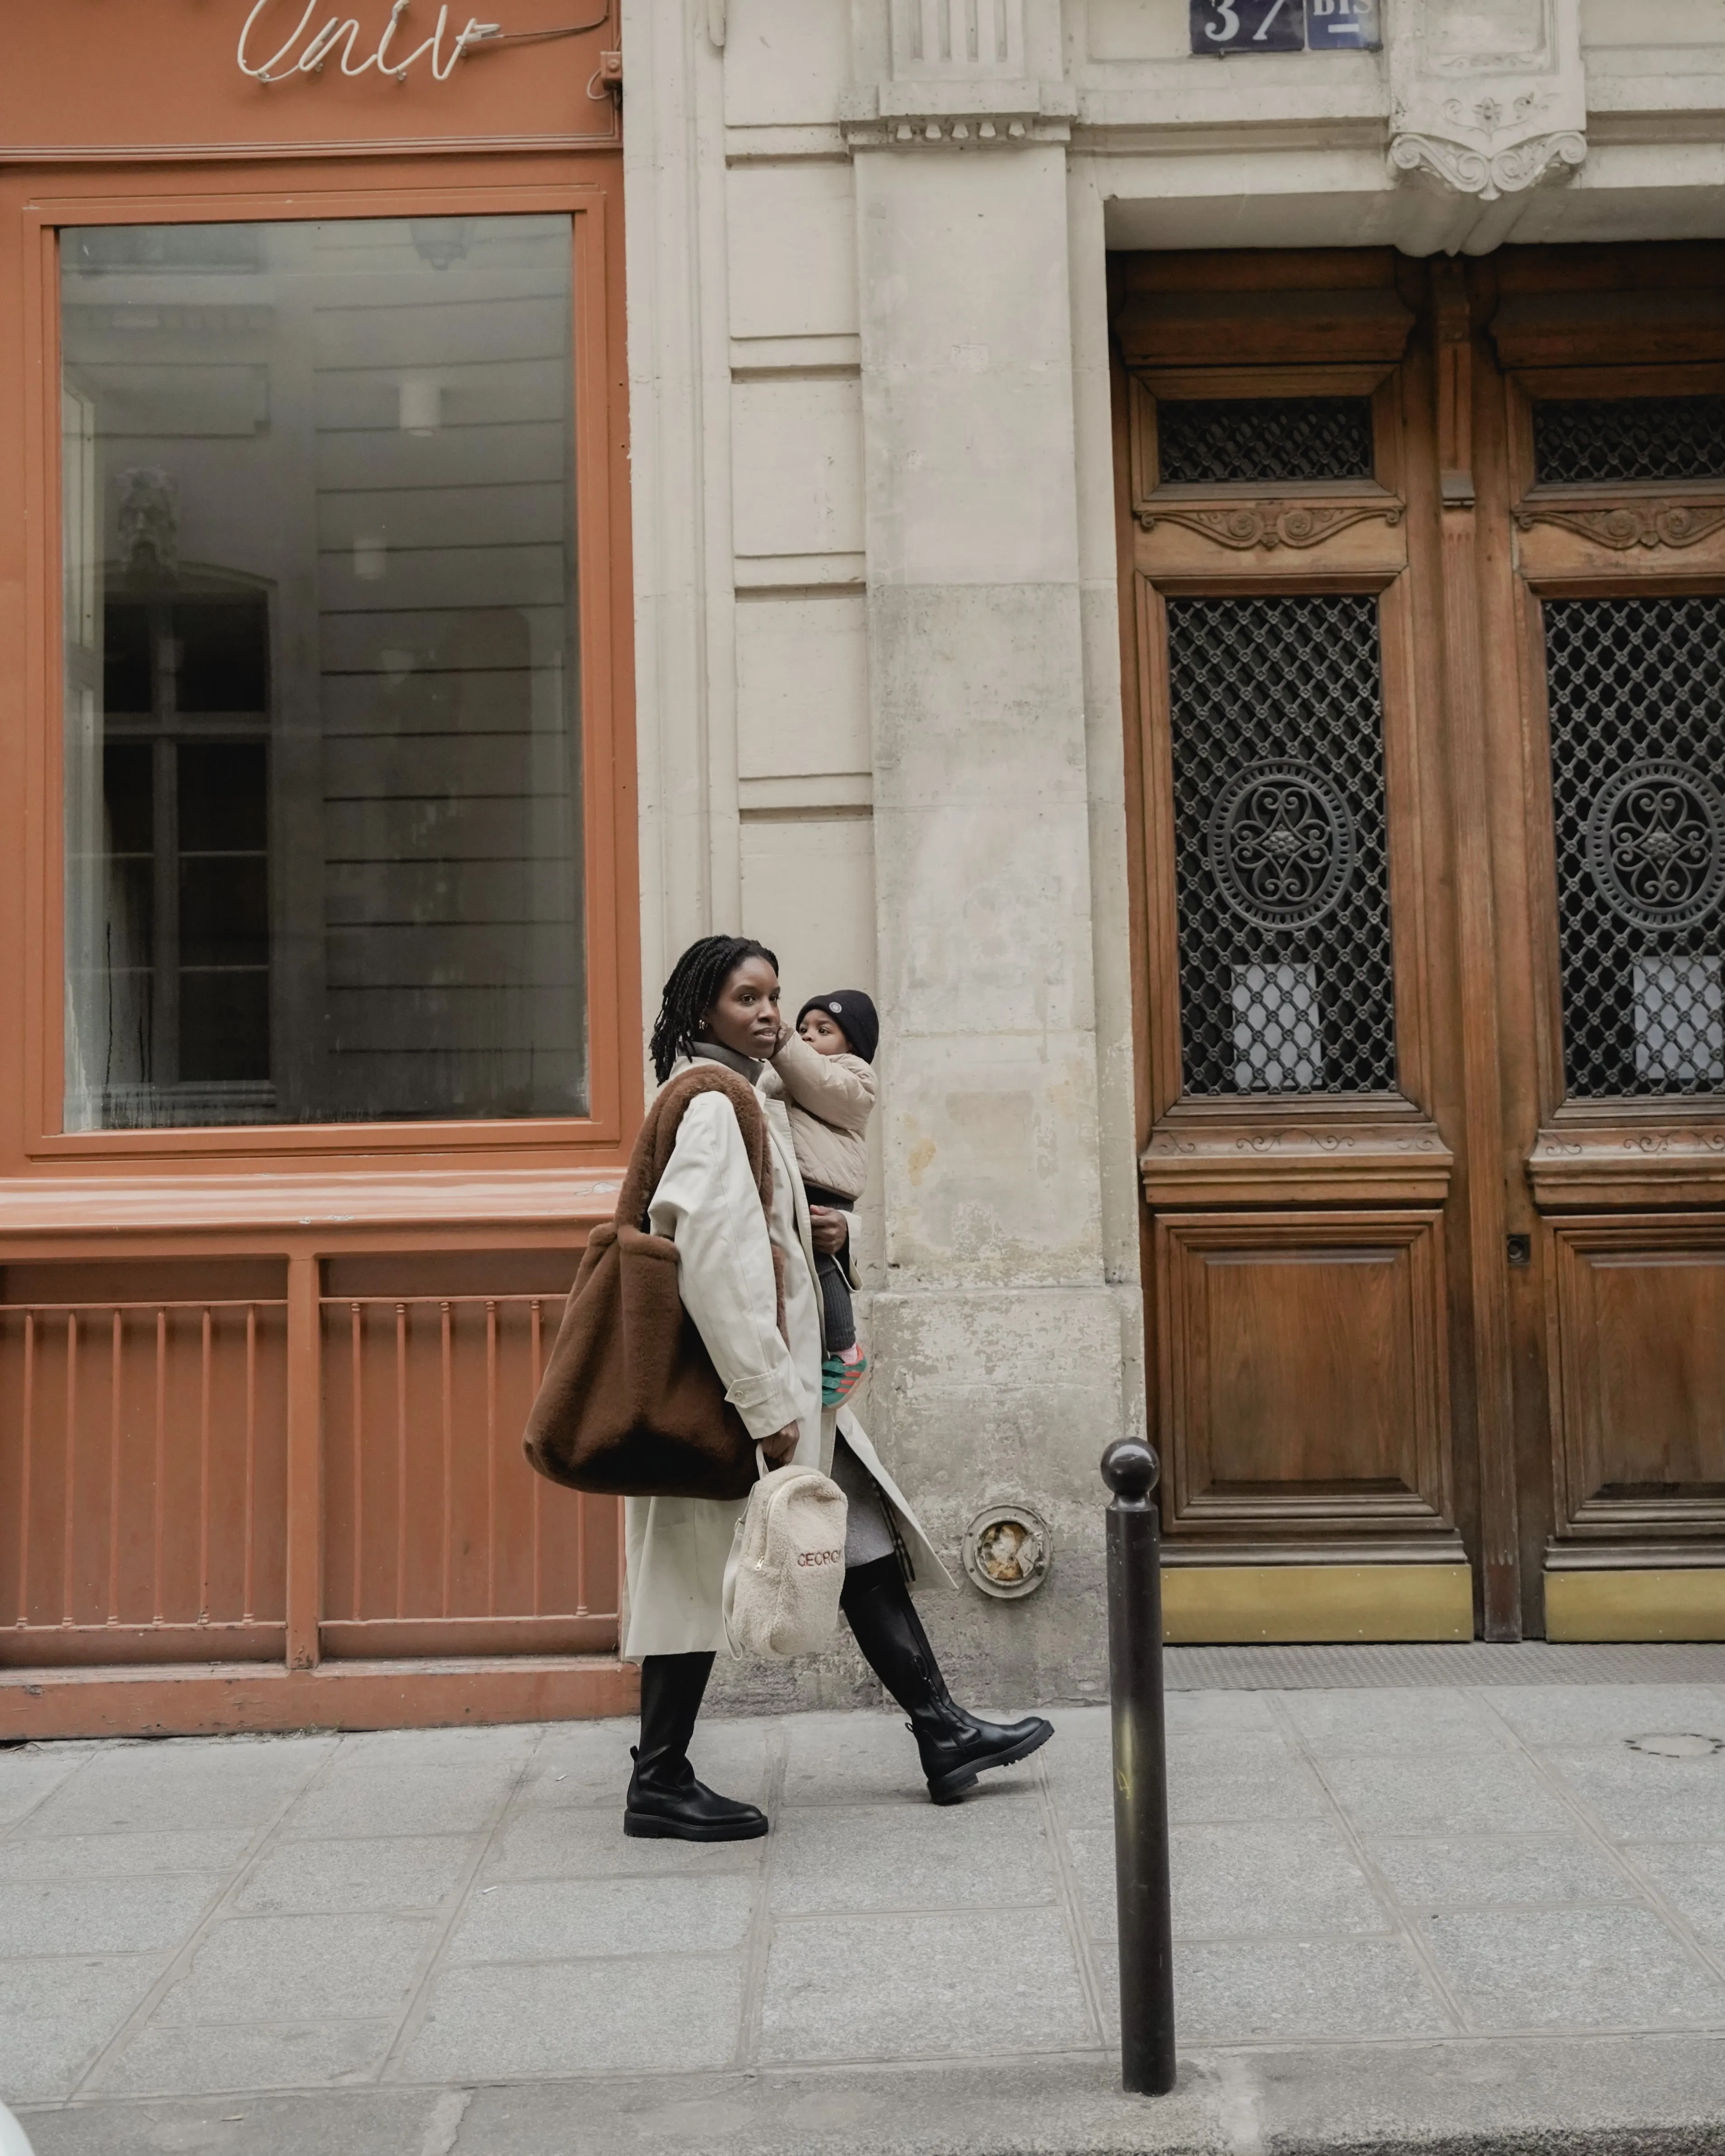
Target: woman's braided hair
x,y
695,980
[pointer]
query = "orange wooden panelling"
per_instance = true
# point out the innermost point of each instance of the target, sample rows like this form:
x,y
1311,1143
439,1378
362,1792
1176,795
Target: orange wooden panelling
x,y
437,1536
589,189
101,78
142,1479
186,1503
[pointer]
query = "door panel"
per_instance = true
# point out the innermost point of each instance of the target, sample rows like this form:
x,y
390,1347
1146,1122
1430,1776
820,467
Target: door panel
x,y
1289,957
1612,392
1426,656
1639,1319
1305,1371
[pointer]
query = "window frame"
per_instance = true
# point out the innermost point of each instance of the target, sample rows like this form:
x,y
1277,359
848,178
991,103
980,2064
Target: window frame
x,y
1380,562
336,190
1551,562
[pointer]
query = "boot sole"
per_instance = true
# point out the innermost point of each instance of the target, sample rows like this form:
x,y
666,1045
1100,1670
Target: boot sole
x,y
950,1787
642,1826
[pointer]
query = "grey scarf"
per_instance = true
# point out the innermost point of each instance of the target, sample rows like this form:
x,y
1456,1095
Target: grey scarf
x,y
745,1066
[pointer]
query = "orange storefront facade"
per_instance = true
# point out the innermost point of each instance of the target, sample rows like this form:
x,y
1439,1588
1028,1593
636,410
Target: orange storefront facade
x,y
319,948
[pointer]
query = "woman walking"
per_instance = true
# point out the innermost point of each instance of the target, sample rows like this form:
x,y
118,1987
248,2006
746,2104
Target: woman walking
x,y
735,1264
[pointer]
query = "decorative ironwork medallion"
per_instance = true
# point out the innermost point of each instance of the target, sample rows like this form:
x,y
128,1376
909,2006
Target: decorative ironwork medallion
x,y
1656,844
1281,844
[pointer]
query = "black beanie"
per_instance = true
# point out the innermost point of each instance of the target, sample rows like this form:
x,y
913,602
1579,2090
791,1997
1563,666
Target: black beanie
x,y
858,1020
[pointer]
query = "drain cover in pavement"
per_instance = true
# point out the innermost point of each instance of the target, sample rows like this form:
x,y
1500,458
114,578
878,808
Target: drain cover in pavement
x,y
1678,1744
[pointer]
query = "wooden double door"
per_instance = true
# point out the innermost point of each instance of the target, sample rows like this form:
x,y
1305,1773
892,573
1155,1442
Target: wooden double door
x,y
1423,577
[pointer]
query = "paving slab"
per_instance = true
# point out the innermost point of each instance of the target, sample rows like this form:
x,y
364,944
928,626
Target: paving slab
x,y
323,1967
529,2022
372,1799
1574,1968
165,2060
567,1919
844,1857
315,1878
58,2013
851,1759
190,1782
1295,1989
582,1763
1529,1869
1691,1876
913,1987
1392,1724
1641,1796
1600,1714
124,1855
28,1774
1191,1714
1478,1794
1243,1777
586,1841
412,1752
103,1916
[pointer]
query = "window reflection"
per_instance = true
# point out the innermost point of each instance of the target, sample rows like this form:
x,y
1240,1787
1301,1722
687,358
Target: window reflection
x,y
323,833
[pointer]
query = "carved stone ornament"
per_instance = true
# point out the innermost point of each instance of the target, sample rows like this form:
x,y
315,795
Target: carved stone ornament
x,y
1248,524
1487,97
149,518
1489,174
1627,525
949,74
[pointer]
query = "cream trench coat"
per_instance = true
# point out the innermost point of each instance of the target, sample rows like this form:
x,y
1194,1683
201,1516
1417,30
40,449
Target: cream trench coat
x,y
707,1203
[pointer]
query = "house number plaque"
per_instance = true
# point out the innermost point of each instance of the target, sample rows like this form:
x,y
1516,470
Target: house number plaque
x,y
1285,26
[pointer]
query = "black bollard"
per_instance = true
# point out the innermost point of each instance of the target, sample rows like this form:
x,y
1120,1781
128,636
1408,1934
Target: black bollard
x,y
1147,1965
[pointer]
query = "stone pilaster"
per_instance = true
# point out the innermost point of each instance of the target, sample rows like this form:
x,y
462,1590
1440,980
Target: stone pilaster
x,y
997,1336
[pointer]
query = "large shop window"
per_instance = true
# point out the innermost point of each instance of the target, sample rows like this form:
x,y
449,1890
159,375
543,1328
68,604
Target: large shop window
x,y
322,785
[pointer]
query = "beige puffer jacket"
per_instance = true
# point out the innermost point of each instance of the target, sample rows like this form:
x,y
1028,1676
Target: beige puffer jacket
x,y
830,1099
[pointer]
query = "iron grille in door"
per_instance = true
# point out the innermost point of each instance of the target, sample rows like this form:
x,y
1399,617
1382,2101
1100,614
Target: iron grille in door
x,y
1585,441
1281,854
1210,440
1636,689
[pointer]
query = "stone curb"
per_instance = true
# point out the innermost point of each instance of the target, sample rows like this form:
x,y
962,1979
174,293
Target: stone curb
x,y
1632,2095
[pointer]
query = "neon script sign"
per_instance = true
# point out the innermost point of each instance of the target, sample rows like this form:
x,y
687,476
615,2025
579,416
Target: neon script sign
x,y
338,36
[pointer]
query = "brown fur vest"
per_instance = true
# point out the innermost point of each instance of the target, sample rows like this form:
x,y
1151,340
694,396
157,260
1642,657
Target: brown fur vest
x,y
630,1403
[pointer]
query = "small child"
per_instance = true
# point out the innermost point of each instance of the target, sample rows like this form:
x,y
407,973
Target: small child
x,y
825,1068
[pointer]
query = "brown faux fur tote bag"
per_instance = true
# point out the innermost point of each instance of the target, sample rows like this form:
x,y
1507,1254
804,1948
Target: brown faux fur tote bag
x,y
631,1404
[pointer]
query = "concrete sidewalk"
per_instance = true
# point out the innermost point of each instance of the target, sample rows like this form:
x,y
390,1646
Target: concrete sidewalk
x,y
1452,1917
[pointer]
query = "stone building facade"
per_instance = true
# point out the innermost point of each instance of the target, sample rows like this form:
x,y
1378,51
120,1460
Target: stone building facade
x,y
1178,543
878,587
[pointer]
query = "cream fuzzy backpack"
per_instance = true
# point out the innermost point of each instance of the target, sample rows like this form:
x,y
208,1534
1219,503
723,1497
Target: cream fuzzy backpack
x,y
786,1565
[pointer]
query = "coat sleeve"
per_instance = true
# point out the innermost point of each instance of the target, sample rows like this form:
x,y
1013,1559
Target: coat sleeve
x,y
838,1088
708,1203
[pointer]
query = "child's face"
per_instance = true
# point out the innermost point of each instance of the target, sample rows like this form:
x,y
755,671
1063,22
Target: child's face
x,y
824,1034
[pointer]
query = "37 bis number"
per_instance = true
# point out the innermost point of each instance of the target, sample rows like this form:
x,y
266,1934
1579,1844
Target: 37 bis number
x,y
1248,25
1284,26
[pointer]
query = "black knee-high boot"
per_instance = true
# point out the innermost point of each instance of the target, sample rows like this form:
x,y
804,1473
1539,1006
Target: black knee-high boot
x,y
665,1800
955,1746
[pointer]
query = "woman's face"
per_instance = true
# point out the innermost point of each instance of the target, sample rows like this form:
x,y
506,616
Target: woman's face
x,y
744,1014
